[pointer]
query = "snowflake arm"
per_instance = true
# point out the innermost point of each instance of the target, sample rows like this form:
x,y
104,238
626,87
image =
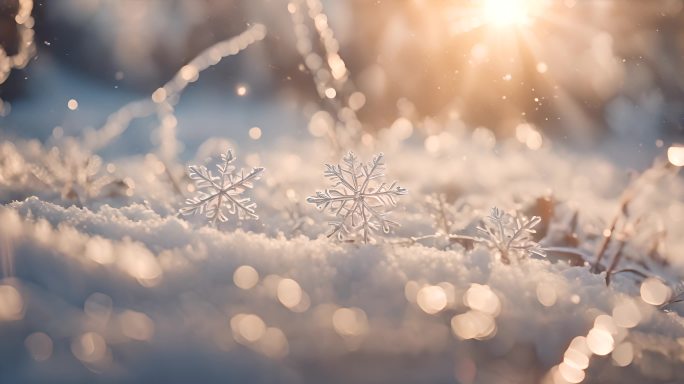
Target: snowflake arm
x,y
357,198
220,196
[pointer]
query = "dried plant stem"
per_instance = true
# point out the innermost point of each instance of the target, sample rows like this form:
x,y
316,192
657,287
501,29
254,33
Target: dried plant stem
x,y
442,215
574,251
616,259
172,179
164,98
26,46
632,270
328,69
658,170
607,235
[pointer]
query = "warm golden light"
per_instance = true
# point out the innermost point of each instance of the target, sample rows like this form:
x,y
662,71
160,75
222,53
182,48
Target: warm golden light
x,y
623,354
350,321
473,325
570,373
626,314
600,341
39,346
248,326
506,13
431,299
245,277
89,347
676,155
546,294
289,293
255,133
72,104
11,303
482,298
136,325
274,343
241,89
655,292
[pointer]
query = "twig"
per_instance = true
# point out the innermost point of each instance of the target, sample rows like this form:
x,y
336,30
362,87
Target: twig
x,y
615,261
654,173
632,270
607,234
174,183
331,77
169,94
26,46
575,251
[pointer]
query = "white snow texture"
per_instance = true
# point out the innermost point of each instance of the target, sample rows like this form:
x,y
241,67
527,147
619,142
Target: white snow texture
x,y
121,289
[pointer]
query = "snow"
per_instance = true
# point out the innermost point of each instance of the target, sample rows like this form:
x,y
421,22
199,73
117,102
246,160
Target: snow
x,y
126,290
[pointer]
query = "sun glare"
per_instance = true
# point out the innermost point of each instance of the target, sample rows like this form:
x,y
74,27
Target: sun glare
x,y
508,13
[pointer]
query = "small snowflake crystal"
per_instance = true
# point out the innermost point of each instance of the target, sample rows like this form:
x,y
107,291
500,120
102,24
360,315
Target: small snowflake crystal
x,y
220,195
358,198
76,173
509,235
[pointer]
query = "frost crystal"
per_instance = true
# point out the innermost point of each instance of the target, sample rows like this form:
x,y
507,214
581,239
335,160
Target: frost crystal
x,y
76,173
219,195
358,198
509,235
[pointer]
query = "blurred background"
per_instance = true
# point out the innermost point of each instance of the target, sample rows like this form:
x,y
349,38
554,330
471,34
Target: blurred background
x,y
580,71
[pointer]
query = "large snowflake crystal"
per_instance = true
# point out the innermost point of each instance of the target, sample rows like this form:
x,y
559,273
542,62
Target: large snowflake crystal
x,y
358,198
220,195
510,235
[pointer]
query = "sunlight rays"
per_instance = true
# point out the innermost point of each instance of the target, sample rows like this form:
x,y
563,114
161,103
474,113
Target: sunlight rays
x,y
537,47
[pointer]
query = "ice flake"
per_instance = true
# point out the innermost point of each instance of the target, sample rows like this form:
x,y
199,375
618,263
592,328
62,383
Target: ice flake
x,y
218,196
509,235
358,198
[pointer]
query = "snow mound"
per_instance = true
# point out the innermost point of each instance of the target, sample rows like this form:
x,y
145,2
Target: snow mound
x,y
128,295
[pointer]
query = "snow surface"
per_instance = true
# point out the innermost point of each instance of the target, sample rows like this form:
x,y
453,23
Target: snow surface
x,y
127,291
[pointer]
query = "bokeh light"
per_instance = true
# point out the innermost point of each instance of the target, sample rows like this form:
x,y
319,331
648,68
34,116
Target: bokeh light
x,y
655,292
350,321
483,299
600,341
11,303
431,299
39,345
89,347
136,325
676,155
289,293
245,277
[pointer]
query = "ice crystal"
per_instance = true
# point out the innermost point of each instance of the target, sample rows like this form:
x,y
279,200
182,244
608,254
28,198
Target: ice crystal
x,y
358,198
510,235
220,195
72,176
76,173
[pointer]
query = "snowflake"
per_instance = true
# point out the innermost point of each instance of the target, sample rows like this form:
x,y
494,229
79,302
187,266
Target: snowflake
x,y
76,173
509,235
358,199
219,195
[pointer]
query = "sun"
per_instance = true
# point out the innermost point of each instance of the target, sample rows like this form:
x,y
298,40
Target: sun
x,y
508,13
